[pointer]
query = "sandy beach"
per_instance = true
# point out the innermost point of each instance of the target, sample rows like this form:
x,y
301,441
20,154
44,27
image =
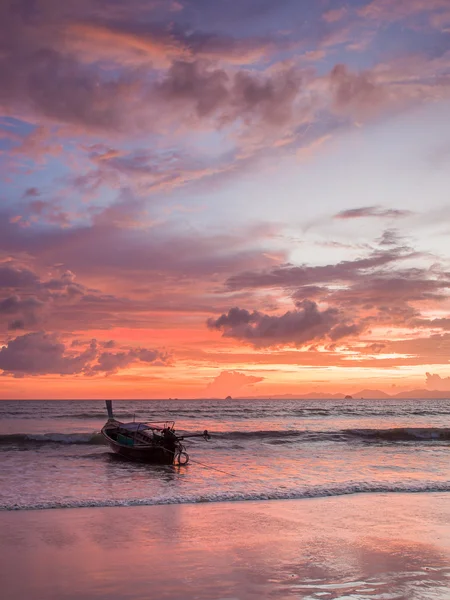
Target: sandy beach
x,y
378,546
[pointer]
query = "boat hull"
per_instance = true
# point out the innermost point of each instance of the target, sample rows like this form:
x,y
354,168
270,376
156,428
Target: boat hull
x,y
152,454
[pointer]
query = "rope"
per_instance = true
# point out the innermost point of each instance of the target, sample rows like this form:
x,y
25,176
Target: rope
x,y
203,465
213,468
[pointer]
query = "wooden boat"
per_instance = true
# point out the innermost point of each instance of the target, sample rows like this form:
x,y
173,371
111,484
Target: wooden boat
x,y
155,443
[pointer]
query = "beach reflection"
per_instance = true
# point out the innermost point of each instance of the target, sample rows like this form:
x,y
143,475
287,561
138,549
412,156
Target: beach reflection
x,y
381,547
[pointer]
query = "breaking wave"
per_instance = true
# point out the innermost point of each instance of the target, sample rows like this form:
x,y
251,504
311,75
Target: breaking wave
x,y
51,438
214,497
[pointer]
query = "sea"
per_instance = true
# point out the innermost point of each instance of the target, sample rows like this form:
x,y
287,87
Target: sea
x,y
52,454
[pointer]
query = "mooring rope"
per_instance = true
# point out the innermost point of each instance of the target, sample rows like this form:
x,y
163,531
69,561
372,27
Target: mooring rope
x,y
202,464
213,468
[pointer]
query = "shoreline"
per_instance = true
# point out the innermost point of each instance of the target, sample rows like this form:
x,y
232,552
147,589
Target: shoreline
x,y
437,489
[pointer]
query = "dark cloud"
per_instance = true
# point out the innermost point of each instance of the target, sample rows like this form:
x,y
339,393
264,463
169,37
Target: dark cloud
x,y
16,325
345,330
25,310
14,304
372,211
235,317
296,327
411,285
245,95
43,353
442,323
290,276
390,237
16,277
111,362
31,192
376,290
195,82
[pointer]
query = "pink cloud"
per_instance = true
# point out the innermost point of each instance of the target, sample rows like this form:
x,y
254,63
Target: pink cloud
x,y
436,382
229,383
336,14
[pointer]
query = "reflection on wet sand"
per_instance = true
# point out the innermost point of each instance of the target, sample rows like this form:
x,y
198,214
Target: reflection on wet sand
x,y
379,547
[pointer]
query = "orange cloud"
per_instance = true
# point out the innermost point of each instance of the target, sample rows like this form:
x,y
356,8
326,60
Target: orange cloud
x,y
93,42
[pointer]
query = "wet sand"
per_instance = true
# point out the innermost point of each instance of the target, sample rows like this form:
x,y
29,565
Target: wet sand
x,y
377,546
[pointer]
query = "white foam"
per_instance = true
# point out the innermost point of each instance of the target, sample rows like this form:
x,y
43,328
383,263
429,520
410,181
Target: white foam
x,y
313,492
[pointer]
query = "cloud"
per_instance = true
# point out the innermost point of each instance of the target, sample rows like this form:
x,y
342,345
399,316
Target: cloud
x,y
111,362
393,10
372,291
55,74
229,383
372,211
442,323
357,94
346,330
290,276
296,327
133,43
436,382
27,309
16,277
331,16
43,353
170,250
197,86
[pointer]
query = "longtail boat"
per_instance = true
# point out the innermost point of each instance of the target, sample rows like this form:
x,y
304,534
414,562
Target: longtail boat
x,y
155,443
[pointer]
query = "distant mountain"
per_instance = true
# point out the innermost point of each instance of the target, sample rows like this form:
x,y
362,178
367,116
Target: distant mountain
x,y
423,394
366,394
371,394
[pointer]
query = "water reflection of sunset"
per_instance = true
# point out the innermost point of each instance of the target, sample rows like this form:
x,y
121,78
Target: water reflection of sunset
x,y
391,544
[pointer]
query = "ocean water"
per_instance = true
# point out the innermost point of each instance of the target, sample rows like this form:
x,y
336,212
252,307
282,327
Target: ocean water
x,y
52,455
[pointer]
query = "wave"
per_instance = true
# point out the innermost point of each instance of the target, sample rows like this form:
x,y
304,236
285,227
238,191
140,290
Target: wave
x,y
96,415
22,439
393,434
215,497
275,437
402,433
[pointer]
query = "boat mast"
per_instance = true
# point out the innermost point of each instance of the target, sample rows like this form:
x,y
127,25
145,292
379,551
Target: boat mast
x,y
109,409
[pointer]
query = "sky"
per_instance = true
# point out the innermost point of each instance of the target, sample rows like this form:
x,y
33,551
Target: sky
x,y
203,199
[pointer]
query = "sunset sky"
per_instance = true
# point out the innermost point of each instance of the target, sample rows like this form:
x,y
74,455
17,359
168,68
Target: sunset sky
x,y
201,198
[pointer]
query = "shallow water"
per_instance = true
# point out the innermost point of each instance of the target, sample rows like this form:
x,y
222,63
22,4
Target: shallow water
x,y
52,455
